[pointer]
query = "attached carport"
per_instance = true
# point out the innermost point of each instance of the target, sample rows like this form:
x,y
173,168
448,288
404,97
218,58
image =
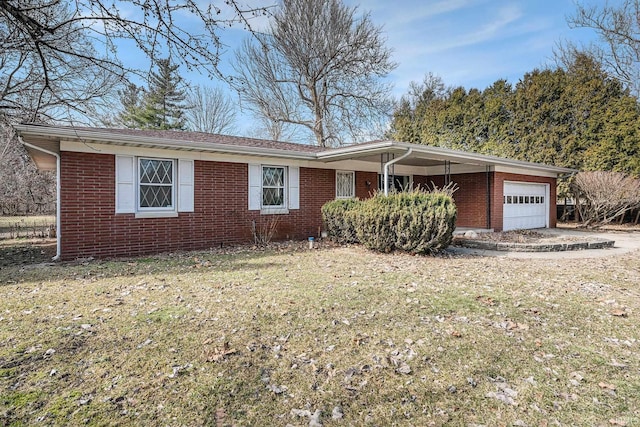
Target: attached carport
x,y
493,192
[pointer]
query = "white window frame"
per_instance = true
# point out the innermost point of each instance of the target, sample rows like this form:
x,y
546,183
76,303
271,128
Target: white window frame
x,y
282,208
353,184
169,209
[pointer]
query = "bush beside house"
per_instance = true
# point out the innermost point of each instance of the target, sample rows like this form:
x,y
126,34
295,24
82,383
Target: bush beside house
x,y
338,224
416,222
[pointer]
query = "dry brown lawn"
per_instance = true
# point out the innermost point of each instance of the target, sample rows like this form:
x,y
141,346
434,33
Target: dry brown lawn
x,y
337,336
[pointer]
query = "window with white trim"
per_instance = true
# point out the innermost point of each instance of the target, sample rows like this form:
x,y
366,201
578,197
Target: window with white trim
x,y
273,187
154,187
156,184
345,184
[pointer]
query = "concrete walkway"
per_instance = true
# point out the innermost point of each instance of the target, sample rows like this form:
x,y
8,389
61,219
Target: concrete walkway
x,y
626,241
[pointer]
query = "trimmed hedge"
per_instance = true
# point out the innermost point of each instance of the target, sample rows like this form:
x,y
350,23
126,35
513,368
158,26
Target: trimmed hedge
x,y
416,222
339,225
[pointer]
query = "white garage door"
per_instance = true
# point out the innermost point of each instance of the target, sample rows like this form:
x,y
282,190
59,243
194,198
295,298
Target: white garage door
x,y
525,206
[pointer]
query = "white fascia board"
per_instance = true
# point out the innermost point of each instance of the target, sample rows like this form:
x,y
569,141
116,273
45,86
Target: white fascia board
x,y
524,171
96,148
200,150
108,138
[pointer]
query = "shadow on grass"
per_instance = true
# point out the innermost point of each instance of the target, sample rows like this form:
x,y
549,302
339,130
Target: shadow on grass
x,y
15,252
27,260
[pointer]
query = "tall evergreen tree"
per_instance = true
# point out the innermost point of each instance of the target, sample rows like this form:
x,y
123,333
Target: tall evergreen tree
x,y
164,102
161,106
573,116
131,100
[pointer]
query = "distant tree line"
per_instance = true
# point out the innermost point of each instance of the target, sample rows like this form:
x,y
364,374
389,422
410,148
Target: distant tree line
x,y
575,115
23,188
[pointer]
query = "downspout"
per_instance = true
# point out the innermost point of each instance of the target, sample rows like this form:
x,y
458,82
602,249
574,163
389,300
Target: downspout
x,y
57,156
386,169
488,174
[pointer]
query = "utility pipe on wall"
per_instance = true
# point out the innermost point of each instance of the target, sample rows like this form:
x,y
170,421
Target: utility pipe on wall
x,y
386,169
57,156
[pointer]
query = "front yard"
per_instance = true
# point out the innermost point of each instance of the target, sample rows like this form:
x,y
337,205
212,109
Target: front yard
x,y
337,336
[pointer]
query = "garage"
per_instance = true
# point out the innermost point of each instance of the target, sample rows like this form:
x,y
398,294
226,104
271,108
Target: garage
x,y
526,205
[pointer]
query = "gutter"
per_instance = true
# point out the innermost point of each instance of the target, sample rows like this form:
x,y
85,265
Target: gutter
x,y
57,156
97,137
386,169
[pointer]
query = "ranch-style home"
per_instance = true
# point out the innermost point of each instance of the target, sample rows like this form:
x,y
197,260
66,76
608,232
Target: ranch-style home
x,y
124,192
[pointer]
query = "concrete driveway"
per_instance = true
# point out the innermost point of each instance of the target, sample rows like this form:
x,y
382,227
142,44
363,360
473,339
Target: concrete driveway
x,y
625,242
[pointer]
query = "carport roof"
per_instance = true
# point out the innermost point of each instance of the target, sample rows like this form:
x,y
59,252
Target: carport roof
x,y
47,137
426,155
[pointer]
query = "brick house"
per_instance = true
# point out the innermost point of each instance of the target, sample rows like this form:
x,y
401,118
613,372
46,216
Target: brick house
x,y
124,192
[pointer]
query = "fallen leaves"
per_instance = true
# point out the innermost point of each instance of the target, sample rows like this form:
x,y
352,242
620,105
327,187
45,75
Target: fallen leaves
x,y
220,417
618,422
218,354
504,393
618,312
606,386
486,300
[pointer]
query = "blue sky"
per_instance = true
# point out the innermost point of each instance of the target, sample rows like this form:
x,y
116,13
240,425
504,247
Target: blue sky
x,y
470,43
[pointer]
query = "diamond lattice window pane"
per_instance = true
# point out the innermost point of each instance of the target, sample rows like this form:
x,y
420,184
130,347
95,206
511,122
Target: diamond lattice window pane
x,y
273,177
155,196
344,184
156,171
272,196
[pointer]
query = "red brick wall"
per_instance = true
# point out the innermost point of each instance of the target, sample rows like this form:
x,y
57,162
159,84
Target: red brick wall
x,y
364,191
90,226
471,196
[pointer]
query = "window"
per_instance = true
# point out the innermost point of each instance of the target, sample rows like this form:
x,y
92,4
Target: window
x,y
155,184
273,187
345,185
154,188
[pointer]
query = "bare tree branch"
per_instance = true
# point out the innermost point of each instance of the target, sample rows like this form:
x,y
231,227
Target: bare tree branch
x,y
210,110
40,40
320,66
619,30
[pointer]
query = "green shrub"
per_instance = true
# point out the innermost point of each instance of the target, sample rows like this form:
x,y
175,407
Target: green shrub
x,y
416,222
338,224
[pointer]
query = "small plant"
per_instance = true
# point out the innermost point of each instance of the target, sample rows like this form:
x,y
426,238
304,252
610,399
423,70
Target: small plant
x,y
264,229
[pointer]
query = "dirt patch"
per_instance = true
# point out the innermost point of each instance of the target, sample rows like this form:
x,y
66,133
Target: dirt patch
x,y
26,251
626,227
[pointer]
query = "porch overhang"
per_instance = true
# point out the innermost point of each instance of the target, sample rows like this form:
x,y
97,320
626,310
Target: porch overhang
x,y
428,156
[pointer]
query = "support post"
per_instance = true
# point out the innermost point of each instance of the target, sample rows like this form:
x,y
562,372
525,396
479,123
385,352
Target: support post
x,y
488,174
